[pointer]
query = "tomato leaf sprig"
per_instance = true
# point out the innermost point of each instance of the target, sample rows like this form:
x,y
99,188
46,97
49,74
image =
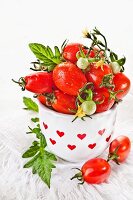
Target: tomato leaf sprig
x,y
45,54
41,160
110,56
30,104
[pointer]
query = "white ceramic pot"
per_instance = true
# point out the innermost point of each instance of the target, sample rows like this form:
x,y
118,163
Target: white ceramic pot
x,y
79,140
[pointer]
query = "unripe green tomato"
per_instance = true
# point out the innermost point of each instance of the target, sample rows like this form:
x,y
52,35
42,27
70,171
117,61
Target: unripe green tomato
x,y
115,67
89,107
82,63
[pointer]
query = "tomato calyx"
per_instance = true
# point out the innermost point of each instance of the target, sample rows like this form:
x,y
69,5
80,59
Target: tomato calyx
x,y
78,176
114,156
107,81
113,95
21,82
84,102
38,66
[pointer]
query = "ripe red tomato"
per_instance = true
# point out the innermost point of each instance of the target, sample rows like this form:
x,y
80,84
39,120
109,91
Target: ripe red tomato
x,y
94,171
70,50
119,149
96,74
68,78
121,82
39,82
60,101
102,95
42,99
64,103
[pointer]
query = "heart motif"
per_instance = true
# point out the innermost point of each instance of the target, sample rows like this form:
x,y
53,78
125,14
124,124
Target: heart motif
x,y
108,138
71,147
52,141
45,125
91,146
101,132
81,136
60,133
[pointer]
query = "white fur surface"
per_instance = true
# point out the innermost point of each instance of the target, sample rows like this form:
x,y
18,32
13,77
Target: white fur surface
x,y
17,183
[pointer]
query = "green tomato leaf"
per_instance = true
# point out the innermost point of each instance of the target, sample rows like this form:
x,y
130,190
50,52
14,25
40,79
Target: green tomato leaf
x,y
43,142
113,56
30,162
57,52
43,167
46,54
50,155
121,61
31,151
30,104
36,119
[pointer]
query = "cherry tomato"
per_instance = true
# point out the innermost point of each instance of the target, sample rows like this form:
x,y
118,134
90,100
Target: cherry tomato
x,y
96,74
70,51
40,82
60,101
94,52
119,149
102,98
122,83
68,78
42,99
64,103
94,171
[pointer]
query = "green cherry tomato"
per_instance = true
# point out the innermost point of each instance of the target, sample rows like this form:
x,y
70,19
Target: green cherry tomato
x,y
89,107
82,63
115,67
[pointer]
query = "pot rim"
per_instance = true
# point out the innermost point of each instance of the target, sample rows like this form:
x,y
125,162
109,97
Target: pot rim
x,y
53,112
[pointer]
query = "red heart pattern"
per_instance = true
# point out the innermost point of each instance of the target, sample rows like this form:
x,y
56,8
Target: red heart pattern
x,y
60,133
108,138
71,147
81,136
52,141
91,146
101,132
45,125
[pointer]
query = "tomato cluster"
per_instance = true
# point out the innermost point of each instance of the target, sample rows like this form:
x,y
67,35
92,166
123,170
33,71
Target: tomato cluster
x,y
78,80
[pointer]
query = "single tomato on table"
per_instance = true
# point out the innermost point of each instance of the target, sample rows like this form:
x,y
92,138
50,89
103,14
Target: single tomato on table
x,y
94,171
69,78
119,149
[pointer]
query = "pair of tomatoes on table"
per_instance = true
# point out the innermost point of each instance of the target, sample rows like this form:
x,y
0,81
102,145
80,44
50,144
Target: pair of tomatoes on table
x,y
97,170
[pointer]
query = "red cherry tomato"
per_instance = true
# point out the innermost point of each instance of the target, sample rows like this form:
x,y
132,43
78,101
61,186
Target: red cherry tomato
x,y
94,171
102,98
68,78
42,99
96,74
64,103
60,101
122,83
119,149
70,51
40,82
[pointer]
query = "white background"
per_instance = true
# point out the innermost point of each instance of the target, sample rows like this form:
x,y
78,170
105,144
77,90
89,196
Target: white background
x,y
51,22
